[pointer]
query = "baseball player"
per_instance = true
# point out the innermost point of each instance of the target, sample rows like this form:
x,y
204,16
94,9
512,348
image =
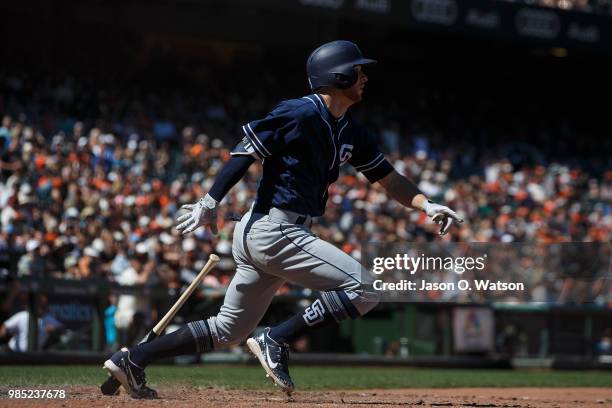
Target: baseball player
x,y
302,143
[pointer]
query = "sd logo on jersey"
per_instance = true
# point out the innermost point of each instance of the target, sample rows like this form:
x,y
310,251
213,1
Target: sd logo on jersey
x,y
345,153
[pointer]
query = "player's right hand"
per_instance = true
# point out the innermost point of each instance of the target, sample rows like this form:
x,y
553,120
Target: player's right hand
x,y
204,212
441,215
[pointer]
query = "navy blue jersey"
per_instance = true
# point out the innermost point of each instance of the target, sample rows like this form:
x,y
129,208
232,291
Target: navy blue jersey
x,y
302,147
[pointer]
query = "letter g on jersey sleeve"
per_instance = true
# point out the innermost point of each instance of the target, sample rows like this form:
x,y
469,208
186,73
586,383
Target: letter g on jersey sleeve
x,y
368,159
268,136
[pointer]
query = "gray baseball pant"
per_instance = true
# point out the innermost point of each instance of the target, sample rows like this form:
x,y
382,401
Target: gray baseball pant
x,y
270,249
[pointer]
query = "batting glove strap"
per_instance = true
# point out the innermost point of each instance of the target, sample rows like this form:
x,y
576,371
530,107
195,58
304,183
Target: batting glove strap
x,y
208,202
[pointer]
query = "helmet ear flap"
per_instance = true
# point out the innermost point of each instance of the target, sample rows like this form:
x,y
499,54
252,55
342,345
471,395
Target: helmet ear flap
x,y
344,81
341,80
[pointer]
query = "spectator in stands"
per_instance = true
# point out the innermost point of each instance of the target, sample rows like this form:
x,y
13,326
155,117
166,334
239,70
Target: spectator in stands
x,y
604,346
17,328
110,328
130,308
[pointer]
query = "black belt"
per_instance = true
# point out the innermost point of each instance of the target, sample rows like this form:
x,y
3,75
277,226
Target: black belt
x,y
300,220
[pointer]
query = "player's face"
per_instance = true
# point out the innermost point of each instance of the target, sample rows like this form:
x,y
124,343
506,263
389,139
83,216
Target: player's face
x,y
355,92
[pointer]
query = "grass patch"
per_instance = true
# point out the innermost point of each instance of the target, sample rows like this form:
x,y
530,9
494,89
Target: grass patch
x,y
252,377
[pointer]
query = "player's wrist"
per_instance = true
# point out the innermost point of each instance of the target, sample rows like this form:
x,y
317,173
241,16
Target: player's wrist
x,y
419,202
209,202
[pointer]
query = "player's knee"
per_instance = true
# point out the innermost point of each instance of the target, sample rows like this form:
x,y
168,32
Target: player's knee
x,y
362,294
364,298
352,302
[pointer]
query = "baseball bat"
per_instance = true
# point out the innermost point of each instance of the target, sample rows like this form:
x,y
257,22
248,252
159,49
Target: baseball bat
x,y
111,385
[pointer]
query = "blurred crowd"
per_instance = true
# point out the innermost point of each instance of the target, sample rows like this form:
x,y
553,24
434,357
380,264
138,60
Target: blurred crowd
x,y
562,273
91,181
92,176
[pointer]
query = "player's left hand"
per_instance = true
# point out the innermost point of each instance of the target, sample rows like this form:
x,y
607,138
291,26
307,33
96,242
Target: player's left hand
x,y
441,215
204,212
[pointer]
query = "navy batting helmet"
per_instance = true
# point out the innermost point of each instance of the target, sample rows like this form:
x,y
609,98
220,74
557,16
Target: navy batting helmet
x,y
333,64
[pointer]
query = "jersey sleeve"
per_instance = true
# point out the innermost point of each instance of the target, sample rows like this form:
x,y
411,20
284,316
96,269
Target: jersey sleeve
x,y
12,324
244,148
368,159
268,136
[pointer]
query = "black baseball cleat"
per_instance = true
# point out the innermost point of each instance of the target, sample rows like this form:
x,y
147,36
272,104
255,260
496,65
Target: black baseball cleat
x,y
274,358
129,375
111,385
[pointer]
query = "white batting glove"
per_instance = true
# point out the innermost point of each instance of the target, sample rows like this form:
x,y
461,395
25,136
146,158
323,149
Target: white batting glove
x,y
204,212
441,215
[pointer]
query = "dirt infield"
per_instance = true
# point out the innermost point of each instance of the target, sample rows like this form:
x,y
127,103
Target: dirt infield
x,y
183,397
